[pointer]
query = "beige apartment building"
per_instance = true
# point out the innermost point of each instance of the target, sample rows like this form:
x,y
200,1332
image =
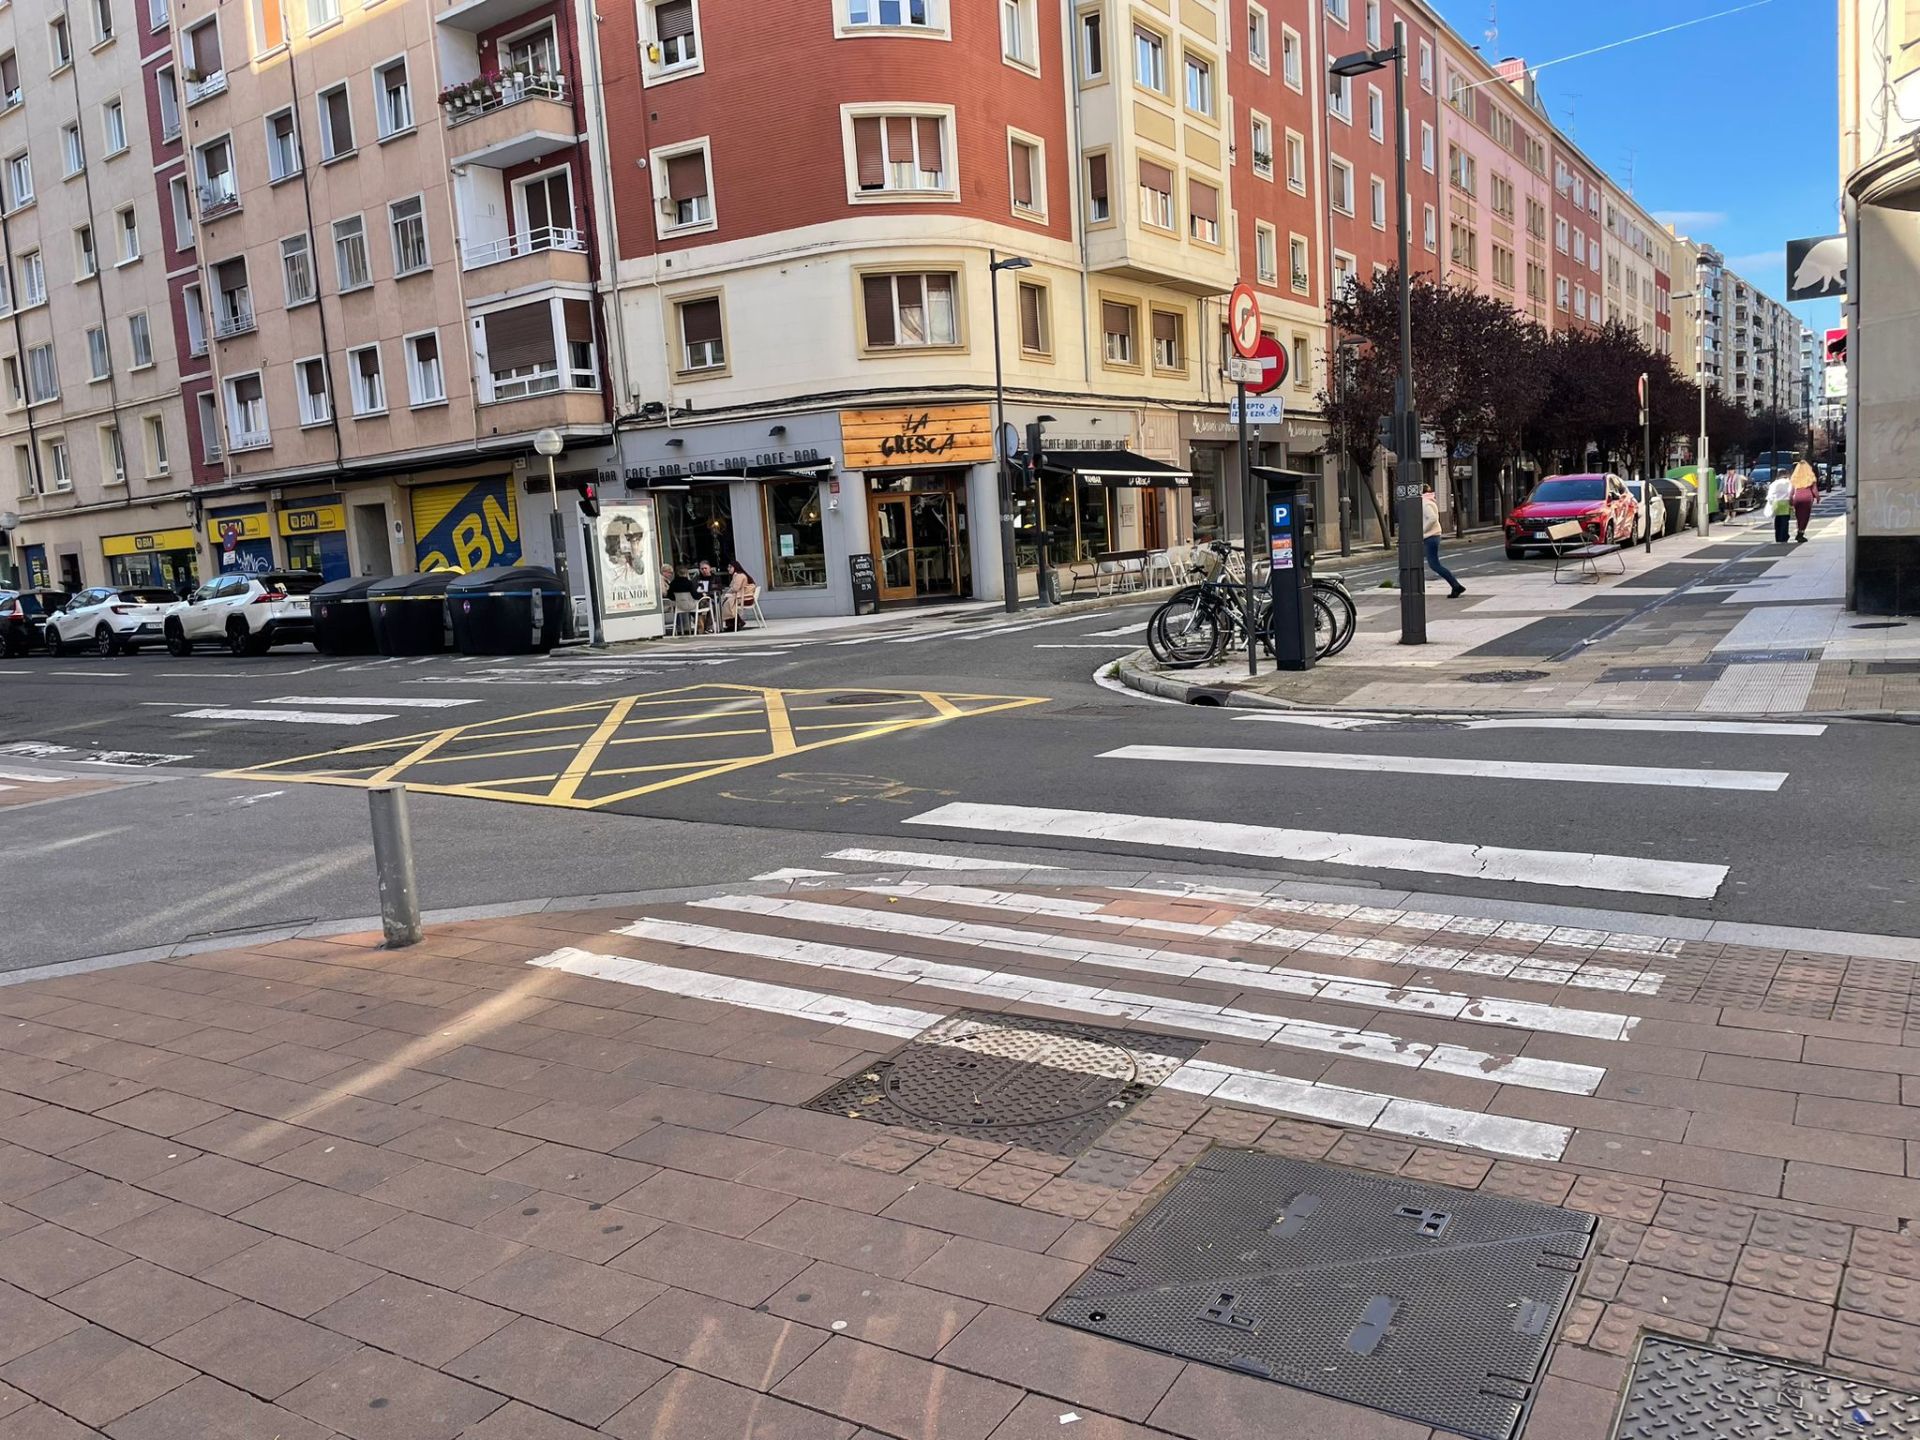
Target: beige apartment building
x,y
1638,260
90,417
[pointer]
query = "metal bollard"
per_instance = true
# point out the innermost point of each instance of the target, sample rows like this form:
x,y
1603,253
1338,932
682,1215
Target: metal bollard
x,y
393,866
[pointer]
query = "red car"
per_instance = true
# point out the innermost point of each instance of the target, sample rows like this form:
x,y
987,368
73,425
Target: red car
x,y
1602,505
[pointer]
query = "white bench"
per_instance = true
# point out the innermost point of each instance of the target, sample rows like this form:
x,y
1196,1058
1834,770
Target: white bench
x,y
1564,532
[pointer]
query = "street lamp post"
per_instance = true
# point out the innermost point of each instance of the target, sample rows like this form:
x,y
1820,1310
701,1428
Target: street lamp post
x,y
550,443
1009,566
1406,418
1699,296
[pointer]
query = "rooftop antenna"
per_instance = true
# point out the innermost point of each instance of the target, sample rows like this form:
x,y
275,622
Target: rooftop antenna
x,y
1633,157
1493,27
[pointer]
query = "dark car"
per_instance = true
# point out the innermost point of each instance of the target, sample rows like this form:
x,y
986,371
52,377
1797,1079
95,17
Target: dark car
x,y
23,617
1600,504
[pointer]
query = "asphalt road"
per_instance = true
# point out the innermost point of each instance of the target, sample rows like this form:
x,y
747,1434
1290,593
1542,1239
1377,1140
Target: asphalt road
x,y
713,761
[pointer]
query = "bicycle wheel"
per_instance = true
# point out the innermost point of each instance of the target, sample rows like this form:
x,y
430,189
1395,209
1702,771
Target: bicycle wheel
x,y
1183,632
1346,617
1326,627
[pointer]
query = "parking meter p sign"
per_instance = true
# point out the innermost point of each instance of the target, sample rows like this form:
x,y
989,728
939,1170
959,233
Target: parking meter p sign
x,y
1243,320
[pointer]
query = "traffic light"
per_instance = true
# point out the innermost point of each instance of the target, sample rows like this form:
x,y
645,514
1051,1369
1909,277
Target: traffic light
x,y
589,500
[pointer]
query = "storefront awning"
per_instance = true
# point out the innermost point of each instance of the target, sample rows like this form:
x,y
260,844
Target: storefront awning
x,y
821,471
1115,467
1268,474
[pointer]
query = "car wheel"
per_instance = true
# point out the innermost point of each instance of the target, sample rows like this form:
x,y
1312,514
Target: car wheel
x,y
105,643
55,646
238,641
177,641
1514,552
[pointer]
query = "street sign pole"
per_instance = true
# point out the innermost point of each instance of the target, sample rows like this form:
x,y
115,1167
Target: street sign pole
x,y
1243,329
1246,531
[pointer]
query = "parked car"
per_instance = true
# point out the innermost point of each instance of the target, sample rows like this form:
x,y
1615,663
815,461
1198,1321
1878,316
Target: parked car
x,y
23,617
1656,510
246,613
1677,497
111,618
1600,503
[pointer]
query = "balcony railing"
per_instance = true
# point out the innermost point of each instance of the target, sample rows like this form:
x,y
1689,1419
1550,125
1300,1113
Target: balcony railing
x,y
521,383
234,317
169,126
218,198
250,439
471,99
474,254
196,344
206,87
11,98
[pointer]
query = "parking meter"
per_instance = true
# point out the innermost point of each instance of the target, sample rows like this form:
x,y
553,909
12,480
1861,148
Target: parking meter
x,y
1290,554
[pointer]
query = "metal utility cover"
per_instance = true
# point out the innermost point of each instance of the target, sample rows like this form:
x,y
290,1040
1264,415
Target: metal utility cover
x,y
1681,1390
1049,1085
1425,1302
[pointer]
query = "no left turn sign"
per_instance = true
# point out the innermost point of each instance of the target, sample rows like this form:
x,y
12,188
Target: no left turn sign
x,y
1243,320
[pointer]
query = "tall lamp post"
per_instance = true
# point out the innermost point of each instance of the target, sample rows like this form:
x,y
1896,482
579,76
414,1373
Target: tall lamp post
x,y
1699,297
1009,567
1406,418
550,443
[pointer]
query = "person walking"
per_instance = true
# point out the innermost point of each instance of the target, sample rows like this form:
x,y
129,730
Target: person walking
x,y
1780,505
1430,529
1806,486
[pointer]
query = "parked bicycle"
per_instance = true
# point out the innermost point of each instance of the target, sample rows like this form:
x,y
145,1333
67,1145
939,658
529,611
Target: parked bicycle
x,y
1207,619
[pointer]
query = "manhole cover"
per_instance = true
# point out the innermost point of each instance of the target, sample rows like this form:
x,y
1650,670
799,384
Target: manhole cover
x,y
1425,1302
1504,677
1050,1085
1681,1390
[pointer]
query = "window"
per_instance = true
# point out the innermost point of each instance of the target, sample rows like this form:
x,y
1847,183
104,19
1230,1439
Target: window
x,y
59,42
1536,156
59,469
154,428
1501,124
1099,201
1459,95
321,13
269,25
1017,43
1426,66
33,280
1199,85
1266,253
1430,229
1156,195
1296,162
900,153
1261,134
407,220
73,151
1028,177
1461,170
233,312
703,343
200,55
393,99
1579,191
1536,219
426,381
1297,260
140,339
310,384
113,456
113,127
369,383
19,180
6,289
283,146
1377,194
10,92
1340,184
1340,97
1257,37
1036,320
23,468
99,362
909,311
43,376
1426,147
247,412
219,188
1376,113
1149,60
1580,300
1203,212
1118,324
1093,46
1338,10
1290,69
1169,347
156,14
195,314
1464,246
296,270
1301,367
127,224
1500,195
1560,234
1579,247
1536,281
182,213
336,123
86,259
689,198
676,34
350,253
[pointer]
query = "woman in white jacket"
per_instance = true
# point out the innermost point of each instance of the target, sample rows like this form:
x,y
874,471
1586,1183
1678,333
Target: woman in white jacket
x,y
1780,505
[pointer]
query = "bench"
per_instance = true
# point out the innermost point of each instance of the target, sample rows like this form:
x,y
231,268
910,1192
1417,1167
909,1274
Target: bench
x,y
1109,571
1562,533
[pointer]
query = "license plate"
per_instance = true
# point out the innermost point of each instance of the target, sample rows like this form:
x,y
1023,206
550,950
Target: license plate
x,y
1539,534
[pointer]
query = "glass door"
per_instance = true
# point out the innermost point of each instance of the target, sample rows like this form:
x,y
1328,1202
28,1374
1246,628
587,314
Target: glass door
x,y
936,567
893,544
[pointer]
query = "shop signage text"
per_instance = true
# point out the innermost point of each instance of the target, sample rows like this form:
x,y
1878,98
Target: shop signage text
x,y
726,465
313,520
890,439
150,541
251,526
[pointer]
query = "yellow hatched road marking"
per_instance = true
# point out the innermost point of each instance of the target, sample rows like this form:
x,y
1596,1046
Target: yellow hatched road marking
x,y
581,765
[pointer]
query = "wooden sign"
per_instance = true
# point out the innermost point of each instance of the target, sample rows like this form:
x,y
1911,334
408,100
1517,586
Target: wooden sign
x,y
866,584
919,436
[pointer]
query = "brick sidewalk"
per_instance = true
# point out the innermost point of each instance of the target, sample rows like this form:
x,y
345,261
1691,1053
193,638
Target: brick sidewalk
x,y
316,1188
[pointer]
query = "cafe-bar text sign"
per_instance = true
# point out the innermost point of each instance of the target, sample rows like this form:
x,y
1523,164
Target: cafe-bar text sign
x,y
916,436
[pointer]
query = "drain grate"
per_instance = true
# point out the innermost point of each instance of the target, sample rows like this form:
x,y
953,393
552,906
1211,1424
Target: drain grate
x,y
1681,1390
1425,1302
1504,677
1883,667
1623,674
1049,1085
1768,657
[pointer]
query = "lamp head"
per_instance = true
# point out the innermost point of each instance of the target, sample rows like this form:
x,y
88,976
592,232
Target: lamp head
x,y
549,442
1013,262
1362,62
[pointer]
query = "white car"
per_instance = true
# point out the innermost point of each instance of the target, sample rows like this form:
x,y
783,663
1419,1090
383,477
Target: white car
x,y
246,613
1638,489
110,618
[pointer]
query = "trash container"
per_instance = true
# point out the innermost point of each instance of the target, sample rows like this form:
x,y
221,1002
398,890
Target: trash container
x,y
410,613
508,610
342,618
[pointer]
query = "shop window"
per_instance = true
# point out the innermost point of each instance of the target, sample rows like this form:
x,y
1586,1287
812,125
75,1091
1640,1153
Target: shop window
x,y
795,535
696,524
914,311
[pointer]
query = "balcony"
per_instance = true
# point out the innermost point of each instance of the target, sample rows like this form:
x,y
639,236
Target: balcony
x,y
250,440
559,409
169,126
477,15
234,316
11,98
476,254
205,87
218,197
508,121
196,344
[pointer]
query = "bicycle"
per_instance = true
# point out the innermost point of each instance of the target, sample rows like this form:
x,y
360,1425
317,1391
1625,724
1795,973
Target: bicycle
x,y
1205,620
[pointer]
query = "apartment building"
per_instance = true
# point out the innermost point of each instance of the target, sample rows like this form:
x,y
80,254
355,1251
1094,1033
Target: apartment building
x,y
1497,199
1579,297
96,449
1694,308
1638,262
1764,344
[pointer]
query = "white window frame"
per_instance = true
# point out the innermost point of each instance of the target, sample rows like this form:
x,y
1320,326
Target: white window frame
x,y
1376,113
126,231
99,354
240,436
383,124
667,219
139,340
1340,97
1292,67
656,69
1266,253
180,195
416,400
366,254
59,44
58,465
1256,123
1038,211
153,436
947,193
113,455
86,252
275,150
1090,41
314,409
955,297
33,278
356,382
329,154
1150,44
1429,147
1299,264
1150,210
1377,201
1296,162
19,165
321,14
1338,166
712,361
73,151
401,271
1133,359
1430,228
113,117
1199,82
1426,66
1020,35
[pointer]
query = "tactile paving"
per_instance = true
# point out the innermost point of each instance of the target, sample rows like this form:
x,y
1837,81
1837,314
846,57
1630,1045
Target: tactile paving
x,y
1680,1391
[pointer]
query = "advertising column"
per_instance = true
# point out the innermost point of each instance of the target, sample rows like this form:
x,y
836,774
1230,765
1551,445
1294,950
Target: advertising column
x,y
626,555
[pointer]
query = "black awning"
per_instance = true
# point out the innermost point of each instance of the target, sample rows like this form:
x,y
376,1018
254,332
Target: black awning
x,y
821,471
1267,474
1115,467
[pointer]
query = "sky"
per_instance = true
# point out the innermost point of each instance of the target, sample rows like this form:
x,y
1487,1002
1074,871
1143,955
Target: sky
x,y
1748,165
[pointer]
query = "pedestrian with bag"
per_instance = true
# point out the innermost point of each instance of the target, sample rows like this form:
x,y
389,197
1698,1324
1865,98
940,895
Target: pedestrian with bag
x,y
1806,487
1430,529
1780,506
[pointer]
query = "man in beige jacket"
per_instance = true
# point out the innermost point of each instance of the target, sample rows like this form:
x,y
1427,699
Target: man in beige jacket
x,y
1430,528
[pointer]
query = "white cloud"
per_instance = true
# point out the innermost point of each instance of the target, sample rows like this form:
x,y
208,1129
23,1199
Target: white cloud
x,y
1688,221
1761,262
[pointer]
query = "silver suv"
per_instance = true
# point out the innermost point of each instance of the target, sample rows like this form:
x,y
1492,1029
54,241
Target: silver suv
x,y
246,613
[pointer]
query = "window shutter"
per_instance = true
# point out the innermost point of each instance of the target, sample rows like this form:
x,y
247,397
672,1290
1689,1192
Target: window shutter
x,y
877,296
932,154
1097,177
520,337
673,19
687,176
1204,201
899,138
1156,177
272,32
1166,327
1115,319
699,320
579,320
1023,175
1032,336
866,152
206,49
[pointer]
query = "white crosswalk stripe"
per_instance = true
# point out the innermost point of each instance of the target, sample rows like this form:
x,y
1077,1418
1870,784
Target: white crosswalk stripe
x,y
1539,773
926,860
410,702
287,717
1674,726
